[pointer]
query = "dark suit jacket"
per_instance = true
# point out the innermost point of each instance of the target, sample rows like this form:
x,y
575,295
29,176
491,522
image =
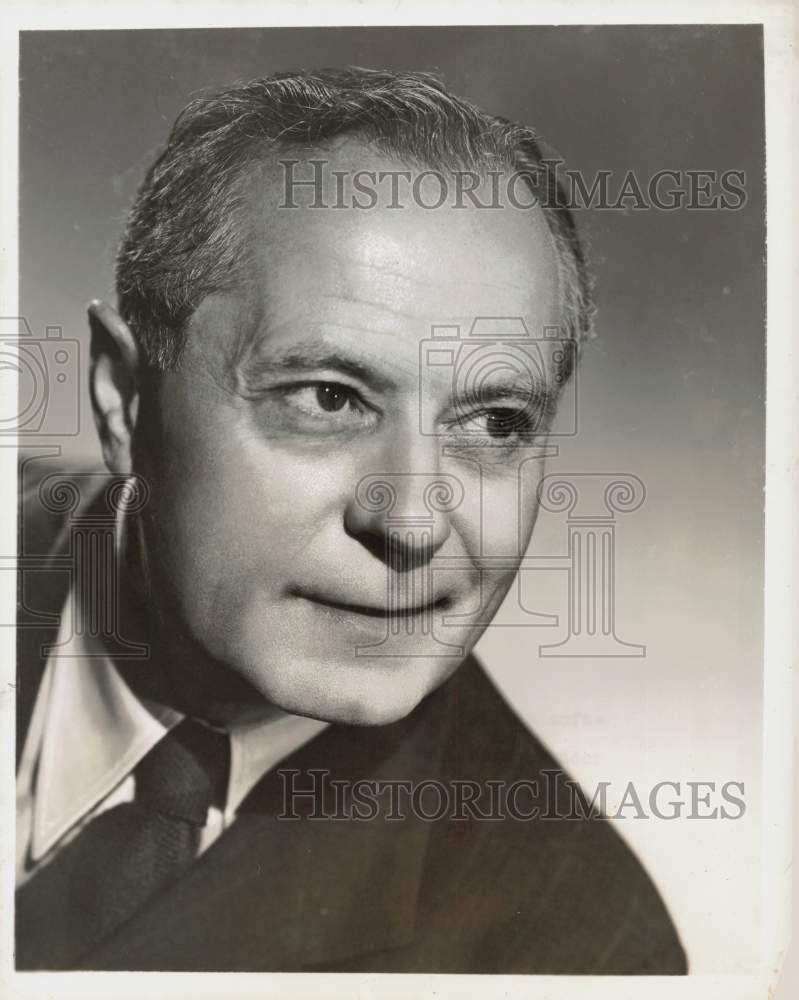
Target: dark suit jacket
x,y
448,895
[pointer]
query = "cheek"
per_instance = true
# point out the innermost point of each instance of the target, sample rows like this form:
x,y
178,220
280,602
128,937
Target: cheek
x,y
499,509
235,519
494,522
531,473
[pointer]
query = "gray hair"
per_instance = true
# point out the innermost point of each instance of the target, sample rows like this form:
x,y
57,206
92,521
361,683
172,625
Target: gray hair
x,y
183,237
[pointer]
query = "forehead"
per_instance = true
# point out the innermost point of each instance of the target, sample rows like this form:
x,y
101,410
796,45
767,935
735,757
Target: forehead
x,y
381,277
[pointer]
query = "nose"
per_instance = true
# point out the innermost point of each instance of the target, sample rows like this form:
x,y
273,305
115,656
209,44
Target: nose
x,y
403,517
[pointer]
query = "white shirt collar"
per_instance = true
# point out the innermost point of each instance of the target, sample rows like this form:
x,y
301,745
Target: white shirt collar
x,y
92,731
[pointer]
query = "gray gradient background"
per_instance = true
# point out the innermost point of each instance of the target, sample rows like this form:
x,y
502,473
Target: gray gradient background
x,y
672,390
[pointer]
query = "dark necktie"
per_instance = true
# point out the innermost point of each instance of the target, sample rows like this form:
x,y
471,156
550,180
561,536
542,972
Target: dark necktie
x,y
125,855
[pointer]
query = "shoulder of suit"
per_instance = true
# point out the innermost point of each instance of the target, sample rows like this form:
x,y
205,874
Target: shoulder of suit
x,y
561,874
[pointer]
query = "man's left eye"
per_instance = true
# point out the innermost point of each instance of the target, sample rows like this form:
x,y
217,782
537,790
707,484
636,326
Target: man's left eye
x,y
499,423
502,423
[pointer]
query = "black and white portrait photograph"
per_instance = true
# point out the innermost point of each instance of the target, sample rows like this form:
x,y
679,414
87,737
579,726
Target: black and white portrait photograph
x,y
398,454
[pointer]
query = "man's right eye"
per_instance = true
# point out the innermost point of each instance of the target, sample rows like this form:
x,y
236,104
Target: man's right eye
x,y
318,407
324,400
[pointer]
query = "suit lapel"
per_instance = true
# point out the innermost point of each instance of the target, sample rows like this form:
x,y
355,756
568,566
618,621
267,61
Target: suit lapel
x,y
282,894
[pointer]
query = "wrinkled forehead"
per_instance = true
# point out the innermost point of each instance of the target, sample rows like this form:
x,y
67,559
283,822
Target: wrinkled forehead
x,y
324,264
355,190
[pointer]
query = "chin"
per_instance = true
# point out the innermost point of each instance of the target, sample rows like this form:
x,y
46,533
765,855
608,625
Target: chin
x,y
367,691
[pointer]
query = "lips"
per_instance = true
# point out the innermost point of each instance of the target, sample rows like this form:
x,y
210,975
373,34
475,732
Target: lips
x,y
370,611
381,611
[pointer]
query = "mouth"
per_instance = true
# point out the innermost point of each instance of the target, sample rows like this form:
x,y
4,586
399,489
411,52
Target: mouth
x,y
354,609
343,608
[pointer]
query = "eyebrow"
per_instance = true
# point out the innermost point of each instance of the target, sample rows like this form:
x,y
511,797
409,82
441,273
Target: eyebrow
x,y
496,392
305,358
514,389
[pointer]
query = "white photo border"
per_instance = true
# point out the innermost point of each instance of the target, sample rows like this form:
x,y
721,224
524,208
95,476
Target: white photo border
x,y
782,550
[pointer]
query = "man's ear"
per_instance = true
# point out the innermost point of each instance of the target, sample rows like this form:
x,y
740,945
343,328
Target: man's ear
x,y
114,383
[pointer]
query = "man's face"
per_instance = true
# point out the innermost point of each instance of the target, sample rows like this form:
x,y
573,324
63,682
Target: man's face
x,y
310,378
